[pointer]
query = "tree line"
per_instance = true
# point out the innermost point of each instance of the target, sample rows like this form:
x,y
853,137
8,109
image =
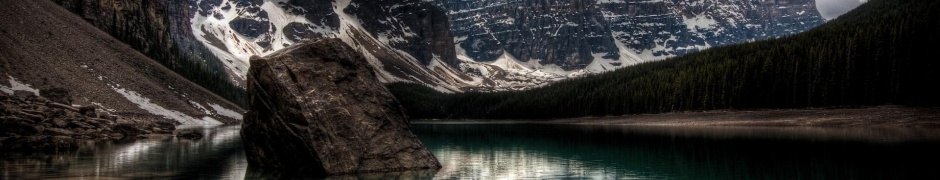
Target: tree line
x,y
195,63
880,53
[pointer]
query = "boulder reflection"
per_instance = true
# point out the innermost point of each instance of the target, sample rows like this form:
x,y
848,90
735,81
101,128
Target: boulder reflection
x,y
218,155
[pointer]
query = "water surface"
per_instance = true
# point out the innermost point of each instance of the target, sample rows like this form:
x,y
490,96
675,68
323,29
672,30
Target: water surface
x,y
218,155
540,151
537,151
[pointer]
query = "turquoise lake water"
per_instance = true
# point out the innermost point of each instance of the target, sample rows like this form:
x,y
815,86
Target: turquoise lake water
x,y
540,151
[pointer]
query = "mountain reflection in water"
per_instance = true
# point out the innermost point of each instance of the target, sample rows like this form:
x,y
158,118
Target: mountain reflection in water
x,y
218,155
538,151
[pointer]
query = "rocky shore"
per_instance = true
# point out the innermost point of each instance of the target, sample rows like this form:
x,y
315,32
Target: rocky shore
x,y
50,123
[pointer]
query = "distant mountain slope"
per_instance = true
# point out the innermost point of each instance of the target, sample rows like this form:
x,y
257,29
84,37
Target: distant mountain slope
x,y
659,29
869,56
602,35
43,45
161,30
404,40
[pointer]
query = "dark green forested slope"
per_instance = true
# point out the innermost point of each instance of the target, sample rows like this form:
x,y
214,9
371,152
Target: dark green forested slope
x,y
883,52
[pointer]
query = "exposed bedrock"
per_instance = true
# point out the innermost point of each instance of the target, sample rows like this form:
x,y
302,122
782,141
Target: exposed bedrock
x,y
317,107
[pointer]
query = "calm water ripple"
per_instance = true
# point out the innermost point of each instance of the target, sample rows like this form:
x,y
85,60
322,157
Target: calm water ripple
x,y
539,151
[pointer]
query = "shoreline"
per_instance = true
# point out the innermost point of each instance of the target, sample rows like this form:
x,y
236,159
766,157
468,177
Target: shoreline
x,y
876,116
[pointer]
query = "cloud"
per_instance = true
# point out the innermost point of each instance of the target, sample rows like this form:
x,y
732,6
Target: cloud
x,y
830,9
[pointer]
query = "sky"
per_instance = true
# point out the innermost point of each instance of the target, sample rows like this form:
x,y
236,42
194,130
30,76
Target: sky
x,y
830,9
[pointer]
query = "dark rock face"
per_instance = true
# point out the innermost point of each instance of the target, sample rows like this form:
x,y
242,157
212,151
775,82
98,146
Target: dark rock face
x,y
417,27
401,31
58,95
571,33
564,33
31,123
320,12
250,27
317,107
661,29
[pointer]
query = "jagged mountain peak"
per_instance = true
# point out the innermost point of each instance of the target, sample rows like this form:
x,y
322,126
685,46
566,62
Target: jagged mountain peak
x,y
494,44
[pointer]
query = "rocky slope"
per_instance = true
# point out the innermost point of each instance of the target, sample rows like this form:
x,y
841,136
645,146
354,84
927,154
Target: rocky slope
x,y
317,108
31,123
98,69
161,30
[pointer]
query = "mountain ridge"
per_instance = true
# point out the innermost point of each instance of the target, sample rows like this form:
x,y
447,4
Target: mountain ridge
x,y
426,42
98,69
869,56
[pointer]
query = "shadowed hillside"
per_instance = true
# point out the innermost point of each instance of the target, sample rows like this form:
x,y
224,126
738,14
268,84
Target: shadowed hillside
x,y
868,56
44,46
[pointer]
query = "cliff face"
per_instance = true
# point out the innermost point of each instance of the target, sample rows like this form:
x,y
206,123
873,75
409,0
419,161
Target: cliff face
x,y
262,27
419,28
318,108
404,40
570,34
661,29
158,29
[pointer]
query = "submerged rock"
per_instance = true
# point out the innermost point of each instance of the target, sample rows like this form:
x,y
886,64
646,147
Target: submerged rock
x,y
317,108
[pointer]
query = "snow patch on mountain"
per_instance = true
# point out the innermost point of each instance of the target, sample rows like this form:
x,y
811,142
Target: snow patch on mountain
x,y
145,104
222,111
215,31
200,107
699,22
17,86
218,27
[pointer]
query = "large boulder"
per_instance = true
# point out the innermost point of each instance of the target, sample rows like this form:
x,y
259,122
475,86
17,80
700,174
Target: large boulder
x,y
317,108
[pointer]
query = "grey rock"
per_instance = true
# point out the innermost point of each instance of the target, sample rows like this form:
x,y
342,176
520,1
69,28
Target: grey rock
x,y
57,95
60,131
318,108
17,126
60,122
88,111
429,24
250,27
33,117
81,125
189,134
63,106
23,93
128,130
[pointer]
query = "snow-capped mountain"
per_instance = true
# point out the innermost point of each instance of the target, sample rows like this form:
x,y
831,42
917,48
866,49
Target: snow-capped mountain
x,y
555,36
658,29
405,40
601,34
457,45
